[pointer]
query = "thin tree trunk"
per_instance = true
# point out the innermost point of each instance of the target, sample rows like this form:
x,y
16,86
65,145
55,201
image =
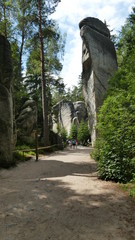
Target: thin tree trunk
x,y
5,21
22,45
43,80
20,56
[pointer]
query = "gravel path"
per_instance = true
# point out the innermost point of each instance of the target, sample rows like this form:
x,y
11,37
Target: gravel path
x,y
60,198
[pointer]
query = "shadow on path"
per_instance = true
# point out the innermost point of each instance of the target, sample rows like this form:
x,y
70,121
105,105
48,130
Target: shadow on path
x,y
62,199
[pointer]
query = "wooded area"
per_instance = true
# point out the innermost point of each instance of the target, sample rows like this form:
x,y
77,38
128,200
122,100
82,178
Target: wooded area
x,y
37,51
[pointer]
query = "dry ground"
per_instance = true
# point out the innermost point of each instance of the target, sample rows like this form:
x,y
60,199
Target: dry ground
x,y
60,198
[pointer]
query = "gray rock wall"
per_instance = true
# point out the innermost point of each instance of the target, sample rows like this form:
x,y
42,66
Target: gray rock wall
x,y
98,65
6,105
66,112
26,122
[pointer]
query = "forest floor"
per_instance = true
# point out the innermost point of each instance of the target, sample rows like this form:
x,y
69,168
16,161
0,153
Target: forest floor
x,y
60,198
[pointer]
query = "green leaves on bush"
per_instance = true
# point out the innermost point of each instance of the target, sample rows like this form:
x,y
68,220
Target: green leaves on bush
x,y
83,132
62,132
73,131
115,148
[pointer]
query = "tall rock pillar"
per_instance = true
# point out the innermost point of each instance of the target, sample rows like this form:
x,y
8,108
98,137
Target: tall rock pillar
x,y
98,65
6,106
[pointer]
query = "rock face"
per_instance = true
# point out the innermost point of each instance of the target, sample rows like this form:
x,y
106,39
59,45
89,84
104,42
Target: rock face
x,y
27,120
98,65
66,112
6,104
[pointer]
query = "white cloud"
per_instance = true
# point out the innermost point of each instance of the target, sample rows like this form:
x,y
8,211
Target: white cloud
x,y
69,14
72,63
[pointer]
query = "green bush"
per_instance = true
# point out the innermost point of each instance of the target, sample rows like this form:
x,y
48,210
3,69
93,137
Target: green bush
x,y
20,156
73,131
63,134
115,148
83,132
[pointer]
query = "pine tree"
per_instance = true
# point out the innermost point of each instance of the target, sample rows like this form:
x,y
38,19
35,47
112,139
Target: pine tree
x,y
83,132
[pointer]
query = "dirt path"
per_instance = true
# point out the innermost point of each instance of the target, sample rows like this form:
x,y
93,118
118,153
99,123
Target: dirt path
x,y
60,198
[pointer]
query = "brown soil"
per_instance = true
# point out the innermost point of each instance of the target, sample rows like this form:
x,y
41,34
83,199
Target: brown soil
x,y
60,198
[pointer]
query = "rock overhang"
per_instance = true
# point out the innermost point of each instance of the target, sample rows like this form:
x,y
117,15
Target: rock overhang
x,y
96,25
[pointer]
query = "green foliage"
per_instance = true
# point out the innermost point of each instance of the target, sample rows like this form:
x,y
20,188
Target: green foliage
x,y
73,131
83,132
53,49
20,156
62,132
129,188
115,146
80,133
22,147
132,186
75,94
98,146
6,18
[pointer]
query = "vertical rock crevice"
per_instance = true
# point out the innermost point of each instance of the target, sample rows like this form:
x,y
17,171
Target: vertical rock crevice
x,y
67,112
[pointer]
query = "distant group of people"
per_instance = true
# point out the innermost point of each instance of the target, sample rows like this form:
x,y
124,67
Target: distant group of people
x,y
73,143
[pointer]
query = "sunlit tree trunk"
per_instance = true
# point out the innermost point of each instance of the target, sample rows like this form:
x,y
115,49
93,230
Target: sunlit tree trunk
x,y
43,80
21,52
21,25
5,21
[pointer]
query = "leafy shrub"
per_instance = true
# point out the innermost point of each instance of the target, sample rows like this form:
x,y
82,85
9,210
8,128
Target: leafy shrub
x,y
115,148
20,156
63,133
73,131
116,121
83,132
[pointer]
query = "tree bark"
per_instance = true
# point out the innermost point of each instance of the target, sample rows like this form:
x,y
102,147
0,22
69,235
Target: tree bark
x,y
20,54
43,80
5,21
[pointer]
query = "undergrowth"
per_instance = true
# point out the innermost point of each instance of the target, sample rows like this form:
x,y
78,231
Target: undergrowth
x,y
129,188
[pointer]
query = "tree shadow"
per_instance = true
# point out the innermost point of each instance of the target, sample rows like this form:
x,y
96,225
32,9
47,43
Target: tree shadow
x,y
70,150
56,168
88,215
53,209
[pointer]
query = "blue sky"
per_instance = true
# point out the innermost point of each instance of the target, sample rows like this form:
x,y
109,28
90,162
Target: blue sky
x,y
68,15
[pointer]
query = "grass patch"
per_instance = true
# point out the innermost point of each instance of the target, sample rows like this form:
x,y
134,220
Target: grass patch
x,y
19,155
129,188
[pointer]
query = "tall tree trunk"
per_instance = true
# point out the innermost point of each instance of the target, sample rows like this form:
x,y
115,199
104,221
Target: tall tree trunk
x,y
5,20
22,44
20,56
43,80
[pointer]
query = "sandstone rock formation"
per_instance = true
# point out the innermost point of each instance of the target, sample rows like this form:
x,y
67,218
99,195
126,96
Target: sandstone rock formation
x,y
80,110
27,120
6,106
66,112
98,64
